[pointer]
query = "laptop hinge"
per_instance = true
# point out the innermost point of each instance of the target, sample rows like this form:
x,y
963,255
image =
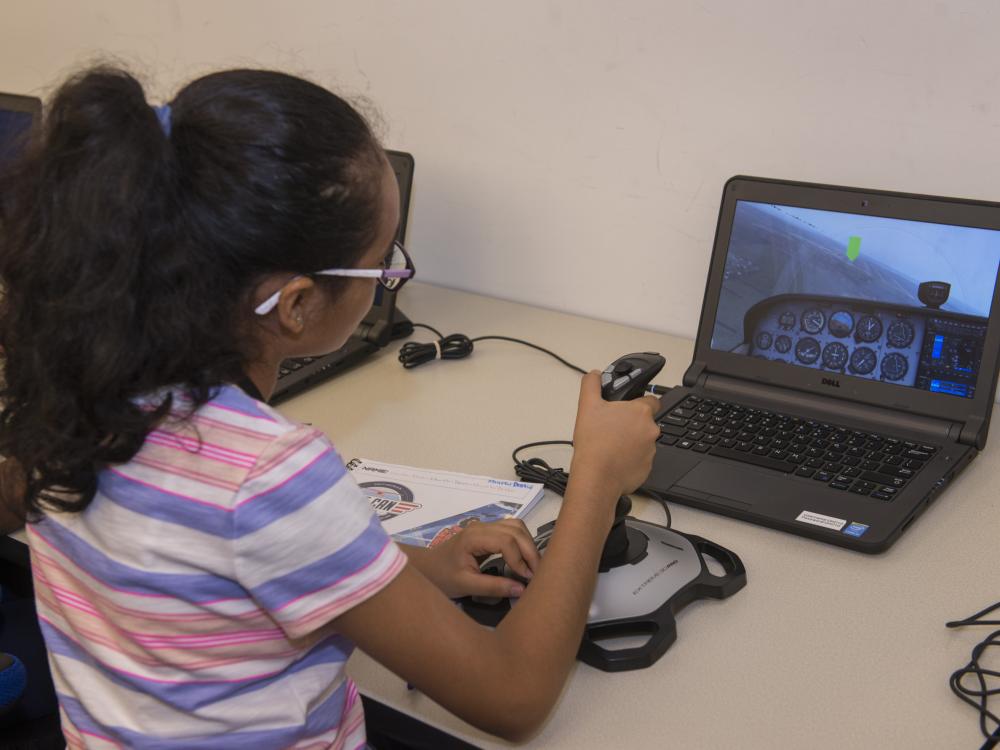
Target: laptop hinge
x,y
694,375
972,432
836,410
376,333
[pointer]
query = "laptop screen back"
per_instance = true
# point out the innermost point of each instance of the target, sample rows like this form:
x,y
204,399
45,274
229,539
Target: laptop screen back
x,y
884,299
17,113
402,165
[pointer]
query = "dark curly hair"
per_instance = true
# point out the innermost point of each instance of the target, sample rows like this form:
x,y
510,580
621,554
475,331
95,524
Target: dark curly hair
x,y
129,253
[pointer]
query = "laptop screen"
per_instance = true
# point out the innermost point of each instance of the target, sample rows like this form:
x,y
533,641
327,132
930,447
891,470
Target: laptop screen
x,y
891,300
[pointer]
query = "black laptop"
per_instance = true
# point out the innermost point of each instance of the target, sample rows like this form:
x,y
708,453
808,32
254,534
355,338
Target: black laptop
x,y
382,324
17,114
846,360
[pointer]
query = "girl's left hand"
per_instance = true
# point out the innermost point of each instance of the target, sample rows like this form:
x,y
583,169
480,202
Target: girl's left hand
x,y
453,565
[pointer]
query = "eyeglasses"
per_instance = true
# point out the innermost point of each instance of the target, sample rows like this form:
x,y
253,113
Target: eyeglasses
x,y
397,268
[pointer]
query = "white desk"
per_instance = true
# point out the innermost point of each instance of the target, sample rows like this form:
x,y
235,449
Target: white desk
x,y
824,648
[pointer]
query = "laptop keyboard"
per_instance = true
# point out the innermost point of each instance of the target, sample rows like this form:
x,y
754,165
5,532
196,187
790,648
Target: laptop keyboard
x,y
289,366
864,463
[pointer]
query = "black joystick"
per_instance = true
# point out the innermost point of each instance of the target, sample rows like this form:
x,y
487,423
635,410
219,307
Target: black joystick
x,y
648,573
624,379
624,545
627,377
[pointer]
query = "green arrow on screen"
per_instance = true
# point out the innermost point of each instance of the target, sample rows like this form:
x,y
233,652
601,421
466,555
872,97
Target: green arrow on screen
x,y
853,248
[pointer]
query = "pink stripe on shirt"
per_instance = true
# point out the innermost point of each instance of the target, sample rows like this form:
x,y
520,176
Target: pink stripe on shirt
x,y
101,630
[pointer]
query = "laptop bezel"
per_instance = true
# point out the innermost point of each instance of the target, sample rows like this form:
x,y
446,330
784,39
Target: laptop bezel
x,y
377,323
913,207
30,105
402,164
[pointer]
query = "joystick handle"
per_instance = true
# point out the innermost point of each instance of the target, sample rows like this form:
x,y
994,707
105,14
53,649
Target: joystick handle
x,y
624,379
627,377
617,542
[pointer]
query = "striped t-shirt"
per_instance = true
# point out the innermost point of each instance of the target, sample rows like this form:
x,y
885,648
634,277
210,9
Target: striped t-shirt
x,y
184,608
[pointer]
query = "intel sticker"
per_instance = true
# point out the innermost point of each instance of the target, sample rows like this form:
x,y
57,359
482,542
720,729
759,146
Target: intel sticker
x,y
856,529
818,519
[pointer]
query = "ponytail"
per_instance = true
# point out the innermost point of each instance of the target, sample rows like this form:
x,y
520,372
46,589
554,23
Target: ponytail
x,y
130,243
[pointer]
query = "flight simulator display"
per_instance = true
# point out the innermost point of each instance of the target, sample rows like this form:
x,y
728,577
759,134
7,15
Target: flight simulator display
x,y
897,301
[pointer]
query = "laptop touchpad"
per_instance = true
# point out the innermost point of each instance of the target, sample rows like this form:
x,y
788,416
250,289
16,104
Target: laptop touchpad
x,y
744,485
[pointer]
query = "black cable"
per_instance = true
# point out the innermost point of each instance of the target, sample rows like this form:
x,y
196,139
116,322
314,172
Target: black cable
x,y
662,501
533,346
432,329
556,478
458,346
538,470
978,698
975,619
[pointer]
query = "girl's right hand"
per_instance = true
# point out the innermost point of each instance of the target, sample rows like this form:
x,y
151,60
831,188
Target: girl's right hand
x,y
414,630
614,441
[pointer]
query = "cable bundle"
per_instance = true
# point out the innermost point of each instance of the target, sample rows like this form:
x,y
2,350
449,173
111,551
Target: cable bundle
x,y
978,697
556,478
457,346
537,470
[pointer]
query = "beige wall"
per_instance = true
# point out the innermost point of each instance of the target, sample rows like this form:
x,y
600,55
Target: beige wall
x,y
572,154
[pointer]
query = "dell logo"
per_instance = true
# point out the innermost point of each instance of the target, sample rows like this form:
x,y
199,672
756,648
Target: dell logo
x,y
831,381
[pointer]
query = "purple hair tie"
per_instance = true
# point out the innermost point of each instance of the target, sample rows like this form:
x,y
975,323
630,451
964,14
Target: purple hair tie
x,y
163,115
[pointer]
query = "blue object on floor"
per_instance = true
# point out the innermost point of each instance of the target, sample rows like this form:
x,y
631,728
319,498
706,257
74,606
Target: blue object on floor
x,y
13,681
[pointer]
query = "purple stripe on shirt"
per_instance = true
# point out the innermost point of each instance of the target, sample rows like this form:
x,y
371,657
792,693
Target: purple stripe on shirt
x,y
295,492
233,398
164,505
323,718
355,556
191,694
193,588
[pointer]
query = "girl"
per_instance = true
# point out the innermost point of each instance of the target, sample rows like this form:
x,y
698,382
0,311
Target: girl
x,y
204,566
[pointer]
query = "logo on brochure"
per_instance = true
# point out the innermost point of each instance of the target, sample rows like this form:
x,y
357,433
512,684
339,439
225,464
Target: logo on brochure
x,y
389,499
